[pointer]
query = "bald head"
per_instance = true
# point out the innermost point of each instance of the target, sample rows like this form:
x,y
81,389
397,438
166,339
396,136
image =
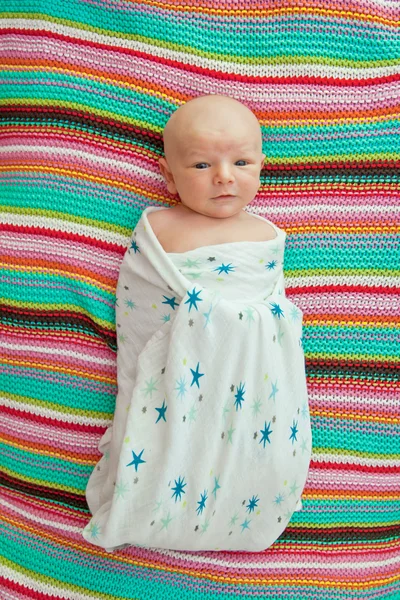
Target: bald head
x,y
217,114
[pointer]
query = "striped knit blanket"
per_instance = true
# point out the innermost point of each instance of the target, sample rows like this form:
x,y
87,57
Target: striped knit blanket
x,y
87,86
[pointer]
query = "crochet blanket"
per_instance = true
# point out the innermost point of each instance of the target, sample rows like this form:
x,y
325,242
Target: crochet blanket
x,y
86,88
168,477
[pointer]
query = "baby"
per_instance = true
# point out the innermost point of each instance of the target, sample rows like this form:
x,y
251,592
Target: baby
x,y
213,159
210,443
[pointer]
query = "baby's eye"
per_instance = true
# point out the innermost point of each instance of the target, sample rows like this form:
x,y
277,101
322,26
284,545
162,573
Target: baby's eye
x,y
201,165
241,163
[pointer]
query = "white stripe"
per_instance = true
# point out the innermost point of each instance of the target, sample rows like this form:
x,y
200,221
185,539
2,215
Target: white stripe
x,y
54,414
286,70
90,156
38,585
31,517
97,233
316,280
71,353
349,459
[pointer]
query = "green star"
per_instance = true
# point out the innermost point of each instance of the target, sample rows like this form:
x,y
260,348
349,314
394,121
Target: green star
x,y
225,409
166,522
192,414
94,530
234,519
280,336
293,489
150,387
205,525
230,434
303,445
256,406
121,488
249,314
216,486
192,264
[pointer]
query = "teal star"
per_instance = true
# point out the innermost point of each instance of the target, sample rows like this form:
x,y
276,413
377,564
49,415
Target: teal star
x,y
196,376
207,316
130,304
194,297
161,412
216,487
202,502
253,503
293,435
266,432
279,498
166,318
135,247
170,301
239,396
137,460
271,265
181,387
150,387
178,489
295,314
245,524
276,310
94,530
225,268
274,391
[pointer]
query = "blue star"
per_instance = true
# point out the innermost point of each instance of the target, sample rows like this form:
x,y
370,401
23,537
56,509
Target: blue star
x,y
274,390
137,459
193,299
178,489
181,387
253,502
271,265
216,487
201,502
225,269
196,376
207,316
162,410
135,247
245,525
170,301
266,432
276,310
239,396
166,318
293,435
279,499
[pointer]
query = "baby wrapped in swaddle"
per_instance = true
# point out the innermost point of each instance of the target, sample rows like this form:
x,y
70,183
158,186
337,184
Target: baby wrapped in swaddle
x,y
210,443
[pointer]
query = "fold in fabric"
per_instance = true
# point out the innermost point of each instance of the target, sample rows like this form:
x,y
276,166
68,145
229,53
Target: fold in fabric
x,y
210,443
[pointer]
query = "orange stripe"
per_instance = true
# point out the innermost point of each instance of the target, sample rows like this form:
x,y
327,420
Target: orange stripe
x,y
47,450
54,369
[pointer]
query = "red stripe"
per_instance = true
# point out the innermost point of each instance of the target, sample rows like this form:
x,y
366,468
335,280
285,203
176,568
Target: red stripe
x,y
90,241
354,467
328,81
97,429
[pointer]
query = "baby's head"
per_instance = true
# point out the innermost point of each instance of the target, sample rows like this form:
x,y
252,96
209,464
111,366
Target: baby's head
x,y
213,155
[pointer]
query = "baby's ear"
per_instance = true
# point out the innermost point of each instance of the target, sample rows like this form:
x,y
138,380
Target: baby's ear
x,y
167,174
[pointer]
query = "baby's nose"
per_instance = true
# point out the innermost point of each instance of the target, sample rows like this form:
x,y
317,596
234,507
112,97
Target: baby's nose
x,y
224,174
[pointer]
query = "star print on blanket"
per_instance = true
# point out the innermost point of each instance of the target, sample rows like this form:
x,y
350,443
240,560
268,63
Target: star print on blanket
x,y
210,444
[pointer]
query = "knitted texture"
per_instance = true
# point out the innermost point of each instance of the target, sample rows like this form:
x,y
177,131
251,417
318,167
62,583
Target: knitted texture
x,y
87,86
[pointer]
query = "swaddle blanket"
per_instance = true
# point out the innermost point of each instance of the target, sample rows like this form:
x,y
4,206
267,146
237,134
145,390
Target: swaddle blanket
x,y
210,443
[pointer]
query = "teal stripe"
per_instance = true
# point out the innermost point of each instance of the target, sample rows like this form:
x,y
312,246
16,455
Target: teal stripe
x,y
367,512
47,468
61,392
252,41
105,208
57,289
335,435
351,340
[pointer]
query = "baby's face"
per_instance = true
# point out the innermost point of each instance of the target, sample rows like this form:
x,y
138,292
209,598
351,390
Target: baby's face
x,y
215,167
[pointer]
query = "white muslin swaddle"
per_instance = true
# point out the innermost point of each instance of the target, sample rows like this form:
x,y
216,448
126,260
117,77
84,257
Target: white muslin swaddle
x,y
210,443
